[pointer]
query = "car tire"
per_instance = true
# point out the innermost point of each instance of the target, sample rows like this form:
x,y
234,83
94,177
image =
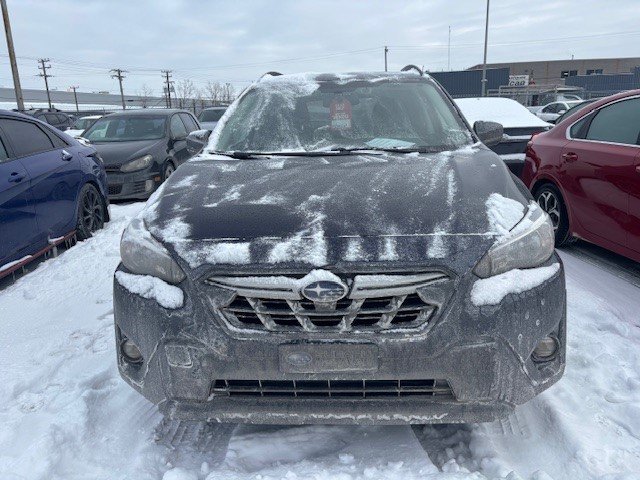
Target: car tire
x,y
550,199
168,170
91,212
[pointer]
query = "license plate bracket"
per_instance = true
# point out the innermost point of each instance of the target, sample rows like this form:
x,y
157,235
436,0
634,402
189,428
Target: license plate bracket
x,y
328,357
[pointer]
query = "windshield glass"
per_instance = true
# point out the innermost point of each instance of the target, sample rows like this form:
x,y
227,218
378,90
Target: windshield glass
x,y
210,115
83,123
126,129
281,116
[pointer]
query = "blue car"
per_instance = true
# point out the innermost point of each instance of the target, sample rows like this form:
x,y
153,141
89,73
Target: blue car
x,y
52,187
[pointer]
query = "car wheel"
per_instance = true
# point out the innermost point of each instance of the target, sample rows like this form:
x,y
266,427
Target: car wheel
x,y
550,199
168,170
91,212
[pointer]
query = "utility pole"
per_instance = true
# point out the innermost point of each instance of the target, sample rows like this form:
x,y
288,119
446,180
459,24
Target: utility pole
x,y
12,56
449,51
75,96
386,50
43,66
168,81
118,73
484,62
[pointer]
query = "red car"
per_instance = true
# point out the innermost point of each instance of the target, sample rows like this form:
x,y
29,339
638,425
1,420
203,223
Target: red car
x,y
585,172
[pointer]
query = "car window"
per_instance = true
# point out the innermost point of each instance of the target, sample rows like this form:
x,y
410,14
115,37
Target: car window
x,y
189,122
3,152
178,129
51,118
617,123
57,141
211,115
61,118
26,138
114,128
551,108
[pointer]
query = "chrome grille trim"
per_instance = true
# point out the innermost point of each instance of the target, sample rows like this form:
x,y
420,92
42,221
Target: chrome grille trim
x,y
373,303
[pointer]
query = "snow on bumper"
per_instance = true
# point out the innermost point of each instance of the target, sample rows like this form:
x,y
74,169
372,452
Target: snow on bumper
x,y
484,353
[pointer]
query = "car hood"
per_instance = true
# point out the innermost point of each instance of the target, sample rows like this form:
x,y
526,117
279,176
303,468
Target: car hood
x,y
410,209
117,153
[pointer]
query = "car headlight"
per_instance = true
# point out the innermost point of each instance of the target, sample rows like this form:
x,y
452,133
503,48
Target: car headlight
x,y
137,164
529,244
144,255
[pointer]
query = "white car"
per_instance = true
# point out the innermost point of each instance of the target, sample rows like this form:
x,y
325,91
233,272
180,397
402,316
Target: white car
x,y
551,111
518,123
81,124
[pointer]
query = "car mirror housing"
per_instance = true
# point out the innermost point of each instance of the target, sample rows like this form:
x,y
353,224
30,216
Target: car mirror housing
x,y
196,140
489,133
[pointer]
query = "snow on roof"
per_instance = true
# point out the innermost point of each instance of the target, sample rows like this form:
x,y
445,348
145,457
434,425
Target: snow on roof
x,y
508,112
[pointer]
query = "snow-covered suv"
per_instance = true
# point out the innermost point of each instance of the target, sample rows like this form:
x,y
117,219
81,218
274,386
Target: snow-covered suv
x,y
344,250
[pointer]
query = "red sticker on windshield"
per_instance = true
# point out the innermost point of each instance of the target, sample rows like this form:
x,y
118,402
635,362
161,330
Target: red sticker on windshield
x,y
340,114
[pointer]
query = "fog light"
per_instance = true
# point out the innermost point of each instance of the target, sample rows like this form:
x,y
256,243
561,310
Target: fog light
x,y
148,185
130,351
546,349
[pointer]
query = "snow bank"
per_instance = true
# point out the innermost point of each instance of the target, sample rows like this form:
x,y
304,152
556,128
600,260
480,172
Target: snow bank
x,y
491,291
150,287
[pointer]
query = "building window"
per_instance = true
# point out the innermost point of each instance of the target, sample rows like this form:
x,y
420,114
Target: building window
x,y
594,71
568,73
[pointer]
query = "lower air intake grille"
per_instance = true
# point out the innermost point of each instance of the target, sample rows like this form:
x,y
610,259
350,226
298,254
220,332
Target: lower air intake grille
x,y
115,189
354,389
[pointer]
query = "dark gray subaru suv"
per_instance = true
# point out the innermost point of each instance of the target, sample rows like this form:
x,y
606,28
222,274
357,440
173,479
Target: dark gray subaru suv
x,y
344,250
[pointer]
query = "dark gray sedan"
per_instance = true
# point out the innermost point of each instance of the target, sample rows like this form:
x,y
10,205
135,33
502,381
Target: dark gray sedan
x,y
141,148
344,250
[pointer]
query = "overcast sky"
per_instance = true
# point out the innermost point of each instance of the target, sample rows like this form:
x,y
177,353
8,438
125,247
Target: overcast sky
x,y
237,41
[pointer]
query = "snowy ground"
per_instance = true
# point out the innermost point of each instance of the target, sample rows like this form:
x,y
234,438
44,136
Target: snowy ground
x,y
65,413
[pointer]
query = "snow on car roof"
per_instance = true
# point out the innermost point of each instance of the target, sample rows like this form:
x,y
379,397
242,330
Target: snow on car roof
x,y
509,113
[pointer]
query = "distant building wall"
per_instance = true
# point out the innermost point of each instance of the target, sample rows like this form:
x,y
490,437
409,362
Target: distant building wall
x,y
602,85
557,71
468,83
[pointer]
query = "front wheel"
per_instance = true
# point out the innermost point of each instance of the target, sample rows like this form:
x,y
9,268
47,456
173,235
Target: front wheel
x,y
91,212
168,170
550,199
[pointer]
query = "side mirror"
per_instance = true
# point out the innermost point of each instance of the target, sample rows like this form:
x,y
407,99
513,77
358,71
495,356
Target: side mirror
x,y
489,133
196,140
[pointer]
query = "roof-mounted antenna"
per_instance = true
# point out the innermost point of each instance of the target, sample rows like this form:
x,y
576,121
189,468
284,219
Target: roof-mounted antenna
x,y
413,67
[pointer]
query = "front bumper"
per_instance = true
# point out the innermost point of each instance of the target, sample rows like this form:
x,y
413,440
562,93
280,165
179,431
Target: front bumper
x,y
135,185
483,353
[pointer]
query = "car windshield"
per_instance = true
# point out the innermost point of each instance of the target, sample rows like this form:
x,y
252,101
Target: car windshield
x,y
306,116
126,129
210,115
83,123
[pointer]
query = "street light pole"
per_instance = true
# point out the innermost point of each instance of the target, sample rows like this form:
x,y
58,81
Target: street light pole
x,y
484,62
386,50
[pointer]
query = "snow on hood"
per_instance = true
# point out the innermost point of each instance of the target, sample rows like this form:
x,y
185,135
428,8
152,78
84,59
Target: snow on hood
x,y
505,111
323,211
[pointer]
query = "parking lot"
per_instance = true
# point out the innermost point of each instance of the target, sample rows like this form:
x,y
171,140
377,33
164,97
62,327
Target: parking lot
x,y
67,414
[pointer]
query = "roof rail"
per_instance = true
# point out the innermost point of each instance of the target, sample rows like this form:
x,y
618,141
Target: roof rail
x,y
271,74
412,67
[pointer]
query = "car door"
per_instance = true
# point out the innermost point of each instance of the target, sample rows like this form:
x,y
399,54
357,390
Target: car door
x,y
549,112
18,229
178,132
54,173
600,163
191,125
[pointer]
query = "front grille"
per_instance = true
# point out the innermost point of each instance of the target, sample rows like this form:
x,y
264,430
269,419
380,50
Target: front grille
x,y
115,189
353,389
374,303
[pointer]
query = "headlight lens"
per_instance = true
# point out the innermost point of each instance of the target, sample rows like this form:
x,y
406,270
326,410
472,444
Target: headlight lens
x,y
529,244
144,255
137,164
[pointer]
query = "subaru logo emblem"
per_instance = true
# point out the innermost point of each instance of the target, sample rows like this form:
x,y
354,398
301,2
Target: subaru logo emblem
x,y
324,291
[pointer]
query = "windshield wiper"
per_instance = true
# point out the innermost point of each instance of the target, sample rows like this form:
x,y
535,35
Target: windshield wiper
x,y
242,155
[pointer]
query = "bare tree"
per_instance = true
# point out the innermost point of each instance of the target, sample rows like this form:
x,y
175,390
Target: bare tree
x,y
213,91
185,90
228,93
145,94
